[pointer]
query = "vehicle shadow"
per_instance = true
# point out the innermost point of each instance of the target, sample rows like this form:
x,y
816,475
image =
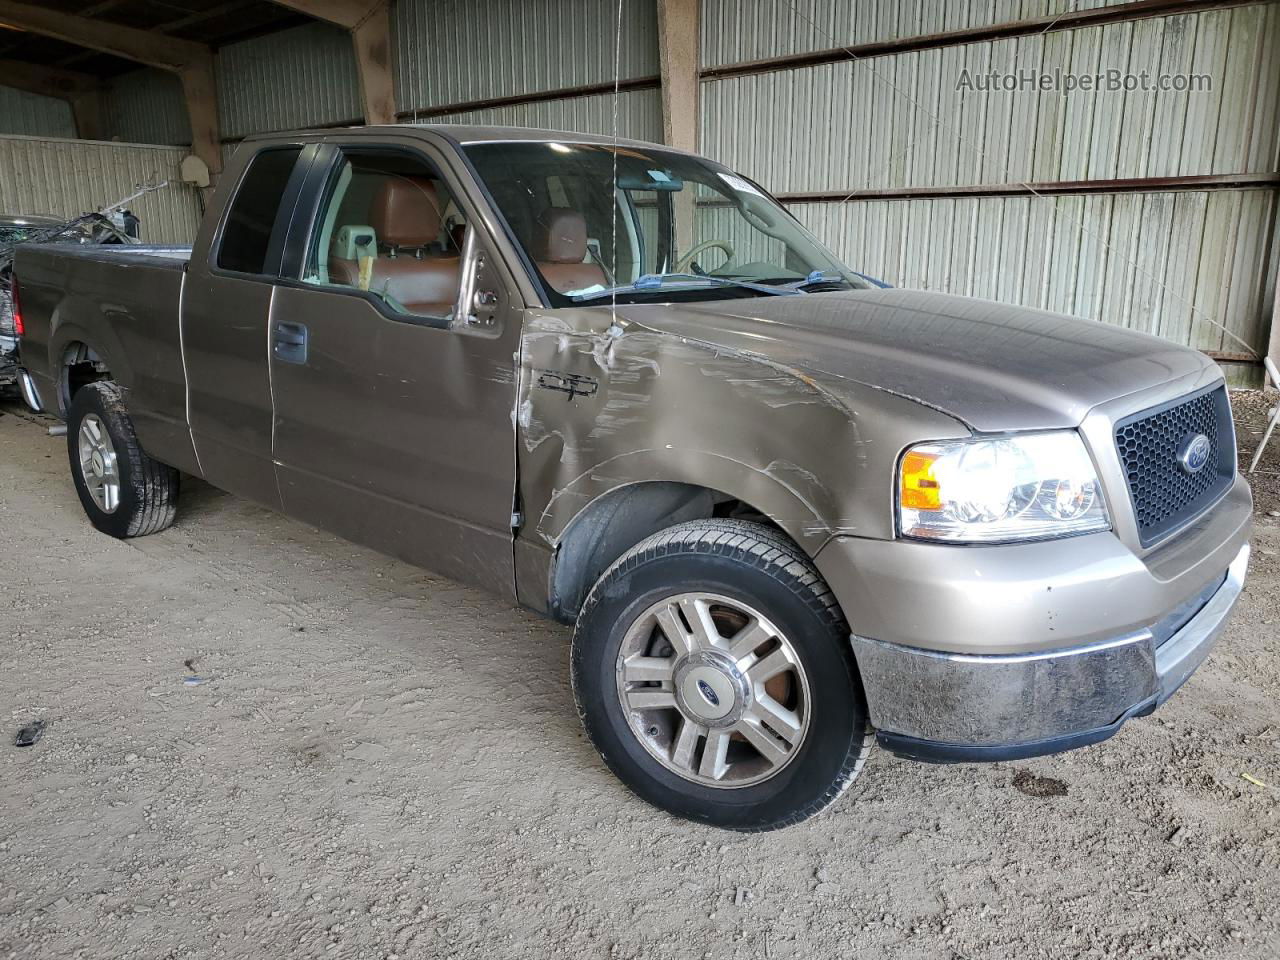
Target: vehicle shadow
x,y
199,499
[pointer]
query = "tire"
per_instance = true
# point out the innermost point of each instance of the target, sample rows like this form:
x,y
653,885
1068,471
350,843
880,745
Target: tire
x,y
725,567
146,498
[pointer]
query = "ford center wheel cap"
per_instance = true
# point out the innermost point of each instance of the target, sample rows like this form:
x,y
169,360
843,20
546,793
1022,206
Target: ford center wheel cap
x,y
710,689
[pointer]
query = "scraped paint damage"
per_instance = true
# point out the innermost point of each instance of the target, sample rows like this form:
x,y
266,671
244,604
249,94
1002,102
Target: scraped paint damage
x,y
671,408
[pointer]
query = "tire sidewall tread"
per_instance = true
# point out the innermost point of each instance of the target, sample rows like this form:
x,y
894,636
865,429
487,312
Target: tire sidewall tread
x,y
148,488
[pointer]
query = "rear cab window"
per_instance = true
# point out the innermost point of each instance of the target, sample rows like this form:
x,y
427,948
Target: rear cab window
x,y
251,223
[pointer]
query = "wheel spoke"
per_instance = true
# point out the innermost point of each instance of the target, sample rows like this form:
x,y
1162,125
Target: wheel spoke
x,y
686,740
650,698
713,755
747,639
786,723
698,613
638,669
767,745
669,622
770,666
110,496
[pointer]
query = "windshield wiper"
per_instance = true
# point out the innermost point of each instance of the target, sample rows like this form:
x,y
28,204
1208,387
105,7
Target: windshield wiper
x,y
653,281
815,279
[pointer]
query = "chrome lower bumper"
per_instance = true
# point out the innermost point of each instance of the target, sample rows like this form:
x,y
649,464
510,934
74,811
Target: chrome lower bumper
x,y
935,705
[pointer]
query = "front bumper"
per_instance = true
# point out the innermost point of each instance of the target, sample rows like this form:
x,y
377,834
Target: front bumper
x,y
1007,652
950,707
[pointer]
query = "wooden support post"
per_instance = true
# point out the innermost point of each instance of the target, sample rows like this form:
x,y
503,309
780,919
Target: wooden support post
x,y
369,23
678,62
90,112
201,93
372,39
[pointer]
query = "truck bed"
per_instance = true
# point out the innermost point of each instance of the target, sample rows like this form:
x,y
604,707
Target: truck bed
x,y
125,301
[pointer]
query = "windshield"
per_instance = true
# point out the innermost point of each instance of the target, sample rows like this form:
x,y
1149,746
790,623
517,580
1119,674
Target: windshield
x,y
598,221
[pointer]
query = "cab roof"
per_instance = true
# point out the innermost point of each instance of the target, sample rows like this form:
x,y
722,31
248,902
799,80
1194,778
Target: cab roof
x,y
468,134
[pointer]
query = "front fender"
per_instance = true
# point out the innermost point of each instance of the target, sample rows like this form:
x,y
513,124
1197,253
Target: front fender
x,y
606,401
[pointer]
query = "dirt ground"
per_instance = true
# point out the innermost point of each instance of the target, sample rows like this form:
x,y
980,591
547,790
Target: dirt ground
x,y
383,763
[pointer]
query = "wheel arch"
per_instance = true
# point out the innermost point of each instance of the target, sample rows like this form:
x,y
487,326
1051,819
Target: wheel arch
x,y
78,356
612,519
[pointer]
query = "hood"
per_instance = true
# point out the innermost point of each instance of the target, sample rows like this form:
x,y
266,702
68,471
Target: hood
x,y
992,365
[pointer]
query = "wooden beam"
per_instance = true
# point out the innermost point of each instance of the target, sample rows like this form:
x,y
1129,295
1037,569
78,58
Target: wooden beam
x,y
131,43
82,91
369,23
192,62
347,14
45,81
168,26
678,63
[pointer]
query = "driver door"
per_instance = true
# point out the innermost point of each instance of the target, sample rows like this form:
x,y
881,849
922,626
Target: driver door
x,y
393,418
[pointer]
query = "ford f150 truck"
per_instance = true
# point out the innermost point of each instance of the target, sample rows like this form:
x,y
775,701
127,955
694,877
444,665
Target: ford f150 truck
x,y
789,511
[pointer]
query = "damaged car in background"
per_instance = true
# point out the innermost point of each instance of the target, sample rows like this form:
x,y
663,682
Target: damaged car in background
x,y
790,512
89,228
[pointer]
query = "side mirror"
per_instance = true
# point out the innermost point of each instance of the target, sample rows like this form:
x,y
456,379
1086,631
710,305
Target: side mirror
x,y
474,309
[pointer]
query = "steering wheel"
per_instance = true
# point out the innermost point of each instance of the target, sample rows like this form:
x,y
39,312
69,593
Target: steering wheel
x,y
683,264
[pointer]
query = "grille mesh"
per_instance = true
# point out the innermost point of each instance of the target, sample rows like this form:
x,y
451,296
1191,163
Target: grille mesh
x,y
1164,495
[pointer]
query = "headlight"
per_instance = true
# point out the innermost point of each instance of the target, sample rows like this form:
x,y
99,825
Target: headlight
x,y
1028,487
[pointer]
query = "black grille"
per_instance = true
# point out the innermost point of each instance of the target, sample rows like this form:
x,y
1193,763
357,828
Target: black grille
x,y
1165,496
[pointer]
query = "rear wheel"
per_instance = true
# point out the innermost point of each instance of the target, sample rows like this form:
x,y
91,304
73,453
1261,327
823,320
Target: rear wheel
x,y
124,492
712,670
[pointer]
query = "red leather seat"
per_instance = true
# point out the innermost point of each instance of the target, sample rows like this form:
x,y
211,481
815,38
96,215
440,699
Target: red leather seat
x,y
560,246
405,215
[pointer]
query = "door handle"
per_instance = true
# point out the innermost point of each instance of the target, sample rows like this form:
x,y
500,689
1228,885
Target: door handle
x,y
290,344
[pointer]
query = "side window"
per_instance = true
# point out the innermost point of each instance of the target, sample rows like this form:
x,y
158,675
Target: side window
x,y
390,226
247,233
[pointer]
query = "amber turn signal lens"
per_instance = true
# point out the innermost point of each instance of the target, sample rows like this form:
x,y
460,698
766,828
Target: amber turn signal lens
x,y
919,486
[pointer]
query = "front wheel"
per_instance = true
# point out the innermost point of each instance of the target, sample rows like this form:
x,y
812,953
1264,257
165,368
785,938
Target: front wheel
x,y
712,670
124,492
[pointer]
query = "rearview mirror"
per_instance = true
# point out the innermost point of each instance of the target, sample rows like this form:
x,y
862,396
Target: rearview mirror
x,y
651,180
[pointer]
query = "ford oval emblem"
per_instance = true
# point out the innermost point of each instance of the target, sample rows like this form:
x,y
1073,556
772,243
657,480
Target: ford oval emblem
x,y
708,694
1194,453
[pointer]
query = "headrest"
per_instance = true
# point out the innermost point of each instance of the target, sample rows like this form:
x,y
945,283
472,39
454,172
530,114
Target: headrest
x,y
406,212
561,236
354,241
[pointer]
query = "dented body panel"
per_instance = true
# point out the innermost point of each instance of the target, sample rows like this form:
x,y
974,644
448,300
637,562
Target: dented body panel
x,y
813,454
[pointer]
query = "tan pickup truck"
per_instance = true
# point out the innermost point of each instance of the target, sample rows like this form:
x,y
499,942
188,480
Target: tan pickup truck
x,y
790,511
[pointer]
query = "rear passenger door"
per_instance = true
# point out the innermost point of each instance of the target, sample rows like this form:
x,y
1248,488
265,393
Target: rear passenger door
x,y
226,302
393,416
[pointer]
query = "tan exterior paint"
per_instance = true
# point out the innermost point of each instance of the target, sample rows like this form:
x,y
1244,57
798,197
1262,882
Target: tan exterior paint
x,y
528,451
